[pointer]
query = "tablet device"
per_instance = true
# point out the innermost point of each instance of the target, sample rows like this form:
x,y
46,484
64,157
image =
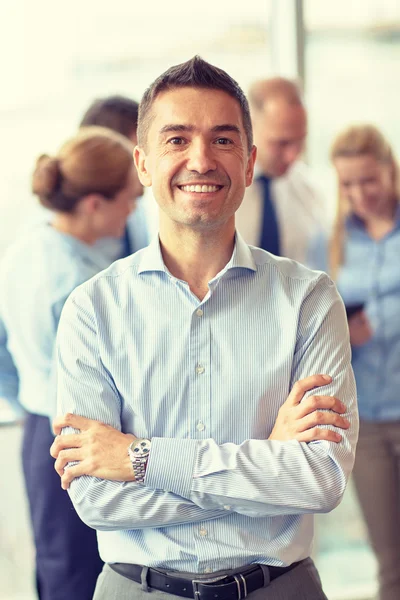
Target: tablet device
x,y
352,309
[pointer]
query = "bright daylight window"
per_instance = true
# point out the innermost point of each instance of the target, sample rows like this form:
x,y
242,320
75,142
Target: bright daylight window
x,y
56,58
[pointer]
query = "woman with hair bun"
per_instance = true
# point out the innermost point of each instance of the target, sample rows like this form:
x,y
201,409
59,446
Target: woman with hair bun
x,y
91,186
364,260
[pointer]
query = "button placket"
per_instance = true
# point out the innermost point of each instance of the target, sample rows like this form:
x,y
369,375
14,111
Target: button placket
x,y
200,380
204,539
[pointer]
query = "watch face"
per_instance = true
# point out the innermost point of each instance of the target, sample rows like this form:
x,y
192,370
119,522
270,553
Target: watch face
x,y
140,448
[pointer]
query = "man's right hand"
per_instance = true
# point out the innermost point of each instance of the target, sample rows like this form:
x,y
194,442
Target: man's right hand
x,y
301,420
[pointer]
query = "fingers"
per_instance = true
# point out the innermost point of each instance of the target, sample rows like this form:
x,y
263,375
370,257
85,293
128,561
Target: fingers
x,y
70,420
313,403
71,440
70,474
66,456
305,385
316,434
322,417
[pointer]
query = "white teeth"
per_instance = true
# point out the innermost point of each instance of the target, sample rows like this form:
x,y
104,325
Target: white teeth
x,y
199,188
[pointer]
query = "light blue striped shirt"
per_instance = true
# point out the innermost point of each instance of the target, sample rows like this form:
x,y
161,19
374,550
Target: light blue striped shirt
x,y
205,380
37,274
370,274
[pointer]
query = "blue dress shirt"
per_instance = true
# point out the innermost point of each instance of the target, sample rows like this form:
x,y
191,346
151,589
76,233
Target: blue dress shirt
x,y
37,274
205,380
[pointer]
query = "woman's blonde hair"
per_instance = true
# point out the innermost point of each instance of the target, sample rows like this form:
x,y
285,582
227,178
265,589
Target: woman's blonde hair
x,y
96,160
354,141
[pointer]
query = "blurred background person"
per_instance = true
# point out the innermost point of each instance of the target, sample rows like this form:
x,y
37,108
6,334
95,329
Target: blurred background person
x,y
363,257
120,114
91,186
283,208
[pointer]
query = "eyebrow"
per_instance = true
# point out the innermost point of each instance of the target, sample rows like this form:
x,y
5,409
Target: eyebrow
x,y
226,127
176,128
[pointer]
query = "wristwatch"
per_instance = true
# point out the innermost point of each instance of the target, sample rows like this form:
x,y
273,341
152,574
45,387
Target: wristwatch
x,y
139,452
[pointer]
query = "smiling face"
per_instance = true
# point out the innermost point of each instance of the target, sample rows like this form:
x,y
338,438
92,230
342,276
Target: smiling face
x,y
366,184
196,158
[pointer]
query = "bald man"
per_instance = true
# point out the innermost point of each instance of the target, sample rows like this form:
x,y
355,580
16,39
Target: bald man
x,y
283,209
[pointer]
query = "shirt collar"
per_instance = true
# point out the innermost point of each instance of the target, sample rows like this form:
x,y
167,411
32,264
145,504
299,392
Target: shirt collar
x,y
151,258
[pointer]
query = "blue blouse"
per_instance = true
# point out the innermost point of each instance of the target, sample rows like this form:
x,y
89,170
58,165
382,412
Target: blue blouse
x,y
370,274
37,275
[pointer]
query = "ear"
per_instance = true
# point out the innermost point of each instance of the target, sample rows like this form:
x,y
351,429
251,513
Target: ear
x,y
140,159
90,203
250,166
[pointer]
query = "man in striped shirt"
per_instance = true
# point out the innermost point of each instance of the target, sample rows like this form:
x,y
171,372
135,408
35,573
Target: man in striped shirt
x,y
203,442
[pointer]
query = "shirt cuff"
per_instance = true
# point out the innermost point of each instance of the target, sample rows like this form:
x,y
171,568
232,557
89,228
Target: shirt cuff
x,y
171,465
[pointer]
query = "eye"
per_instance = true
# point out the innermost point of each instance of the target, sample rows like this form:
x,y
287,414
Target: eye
x,y
176,141
222,141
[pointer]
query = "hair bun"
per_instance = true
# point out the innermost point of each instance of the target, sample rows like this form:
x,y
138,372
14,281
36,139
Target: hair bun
x,y
46,177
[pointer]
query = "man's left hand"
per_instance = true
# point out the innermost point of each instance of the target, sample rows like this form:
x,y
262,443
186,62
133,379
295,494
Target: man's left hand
x,y
99,450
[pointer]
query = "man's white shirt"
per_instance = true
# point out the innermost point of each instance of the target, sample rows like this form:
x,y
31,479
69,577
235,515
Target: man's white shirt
x,y
301,211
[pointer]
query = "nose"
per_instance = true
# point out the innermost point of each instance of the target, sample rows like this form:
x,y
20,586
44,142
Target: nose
x,y
200,158
357,193
139,190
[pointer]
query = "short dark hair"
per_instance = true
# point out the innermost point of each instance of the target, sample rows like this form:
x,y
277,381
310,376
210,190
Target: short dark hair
x,y
118,113
195,73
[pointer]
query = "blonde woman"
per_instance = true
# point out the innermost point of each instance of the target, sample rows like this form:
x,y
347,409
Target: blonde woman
x,y
364,259
91,186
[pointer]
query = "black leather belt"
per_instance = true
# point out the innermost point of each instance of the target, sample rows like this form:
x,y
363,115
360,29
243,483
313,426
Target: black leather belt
x,y
223,587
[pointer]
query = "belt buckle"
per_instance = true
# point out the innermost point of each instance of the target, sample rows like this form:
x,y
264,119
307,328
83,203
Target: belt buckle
x,y
195,584
196,591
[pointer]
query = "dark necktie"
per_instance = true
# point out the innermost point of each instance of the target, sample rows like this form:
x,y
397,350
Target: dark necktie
x,y
126,244
269,232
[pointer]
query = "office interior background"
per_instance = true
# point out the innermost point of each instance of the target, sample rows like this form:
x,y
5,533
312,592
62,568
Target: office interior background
x,y
56,58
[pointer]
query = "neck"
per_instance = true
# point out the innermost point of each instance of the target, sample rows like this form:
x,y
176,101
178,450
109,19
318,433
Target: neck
x,y
70,224
197,256
381,223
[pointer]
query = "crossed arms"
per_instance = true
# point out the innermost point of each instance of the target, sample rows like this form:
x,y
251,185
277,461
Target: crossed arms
x,y
302,467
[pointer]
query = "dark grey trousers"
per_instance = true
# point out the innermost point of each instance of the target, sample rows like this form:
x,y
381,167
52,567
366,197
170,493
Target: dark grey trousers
x,y
302,583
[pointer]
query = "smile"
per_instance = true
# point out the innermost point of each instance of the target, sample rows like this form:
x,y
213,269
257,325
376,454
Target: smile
x,y
200,188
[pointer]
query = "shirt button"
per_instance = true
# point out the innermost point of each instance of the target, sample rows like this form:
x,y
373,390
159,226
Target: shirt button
x,y
227,507
203,532
200,369
199,312
200,426
208,570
